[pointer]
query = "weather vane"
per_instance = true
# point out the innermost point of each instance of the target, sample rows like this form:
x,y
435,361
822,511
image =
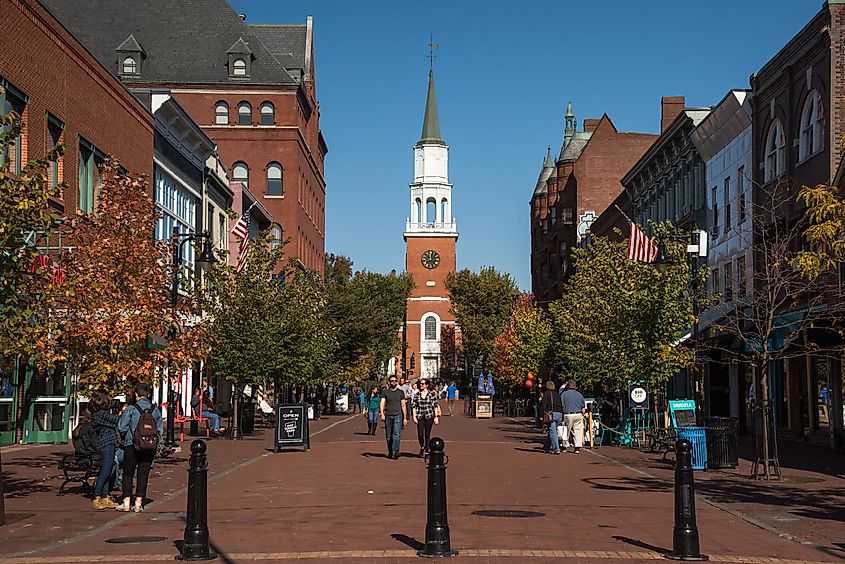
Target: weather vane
x,y
431,47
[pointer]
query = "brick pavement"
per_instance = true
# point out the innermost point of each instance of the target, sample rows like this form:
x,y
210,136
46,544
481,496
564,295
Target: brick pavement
x,y
344,500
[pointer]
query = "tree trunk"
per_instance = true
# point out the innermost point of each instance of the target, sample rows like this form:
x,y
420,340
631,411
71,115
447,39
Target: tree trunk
x,y
764,417
2,495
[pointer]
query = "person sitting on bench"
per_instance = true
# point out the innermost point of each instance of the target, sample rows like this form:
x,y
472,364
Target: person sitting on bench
x,y
206,411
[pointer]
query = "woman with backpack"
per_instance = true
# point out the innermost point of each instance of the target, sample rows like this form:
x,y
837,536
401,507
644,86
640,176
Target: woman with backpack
x,y
141,427
105,426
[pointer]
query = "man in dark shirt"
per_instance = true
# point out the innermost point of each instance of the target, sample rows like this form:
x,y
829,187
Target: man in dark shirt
x,y
574,408
394,415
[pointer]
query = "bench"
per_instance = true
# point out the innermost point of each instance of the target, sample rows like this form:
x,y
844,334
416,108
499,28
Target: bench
x,y
79,468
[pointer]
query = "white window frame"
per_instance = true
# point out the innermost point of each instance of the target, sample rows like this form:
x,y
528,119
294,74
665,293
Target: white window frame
x,y
774,161
811,134
239,67
221,117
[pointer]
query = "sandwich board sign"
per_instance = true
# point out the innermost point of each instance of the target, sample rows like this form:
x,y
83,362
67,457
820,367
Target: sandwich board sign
x,y
292,426
638,396
682,413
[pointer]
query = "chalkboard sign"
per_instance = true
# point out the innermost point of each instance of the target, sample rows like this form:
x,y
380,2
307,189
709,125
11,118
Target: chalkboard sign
x,y
683,413
292,426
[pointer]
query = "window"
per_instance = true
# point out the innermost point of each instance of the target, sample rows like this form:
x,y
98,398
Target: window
x,y
728,283
714,281
562,248
552,216
430,328
240,173
811,135
54,139
740,189
268,114
10,101
419,210
178,211
274,179
727,199
567,216
244,114
221,230
430,210
90,158
130,66
276,236
239,67
773,164
715,227
221,113
741,277
444,210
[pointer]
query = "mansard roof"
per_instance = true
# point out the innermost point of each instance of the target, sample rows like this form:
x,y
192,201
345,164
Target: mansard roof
x,y
285,42
186,41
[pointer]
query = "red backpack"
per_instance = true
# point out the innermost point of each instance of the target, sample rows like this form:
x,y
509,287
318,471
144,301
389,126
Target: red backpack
x,y
146,432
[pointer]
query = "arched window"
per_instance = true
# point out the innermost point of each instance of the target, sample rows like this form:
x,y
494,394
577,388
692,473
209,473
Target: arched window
x,y
430,328
244,114
274,179
240,173
444,210
239,67
419,210
775,147
812,133
130,66
268,114
276,235
221,113
430,210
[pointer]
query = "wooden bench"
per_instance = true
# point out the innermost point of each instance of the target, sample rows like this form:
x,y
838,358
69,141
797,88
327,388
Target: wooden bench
x,y
79,468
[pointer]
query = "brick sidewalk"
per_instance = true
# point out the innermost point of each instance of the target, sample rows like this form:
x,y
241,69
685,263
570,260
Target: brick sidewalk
x,y
345,500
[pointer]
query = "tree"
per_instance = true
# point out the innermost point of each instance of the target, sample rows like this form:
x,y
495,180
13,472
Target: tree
x,y
523,345
825,229
365,310
789,311
621,321
482,304
118,288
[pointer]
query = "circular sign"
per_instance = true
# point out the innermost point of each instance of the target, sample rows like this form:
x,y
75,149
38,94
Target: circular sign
x,y
638,394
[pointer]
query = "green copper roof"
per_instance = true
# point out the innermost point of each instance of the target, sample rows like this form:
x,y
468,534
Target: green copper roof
x,y
569,110
431,122
548,162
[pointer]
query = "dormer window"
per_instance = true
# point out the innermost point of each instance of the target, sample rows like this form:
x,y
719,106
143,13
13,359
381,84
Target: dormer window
x,y
239,67
130,66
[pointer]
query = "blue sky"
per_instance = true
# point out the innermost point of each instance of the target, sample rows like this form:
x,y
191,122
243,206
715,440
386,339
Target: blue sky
x,y
505,71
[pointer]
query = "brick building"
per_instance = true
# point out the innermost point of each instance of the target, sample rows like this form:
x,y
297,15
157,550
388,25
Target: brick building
x,y
798,122
64,96
250,87
572,192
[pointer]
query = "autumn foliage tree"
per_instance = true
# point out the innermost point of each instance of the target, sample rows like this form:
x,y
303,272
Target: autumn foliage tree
x,y
523,346
118,287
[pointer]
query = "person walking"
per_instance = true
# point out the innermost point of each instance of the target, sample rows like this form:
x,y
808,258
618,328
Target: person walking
x,y
134,425
552,408
426,413
393,412
405,386
574,408
105,426
451,396
371,410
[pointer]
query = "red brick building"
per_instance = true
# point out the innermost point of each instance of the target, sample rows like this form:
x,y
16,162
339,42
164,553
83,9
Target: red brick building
x,y
572,192
251,88
64,96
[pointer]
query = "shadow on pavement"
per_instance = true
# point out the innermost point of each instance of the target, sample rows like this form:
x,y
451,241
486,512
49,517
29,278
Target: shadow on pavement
x,y
630,484
410,542
641,544
374,454
21,487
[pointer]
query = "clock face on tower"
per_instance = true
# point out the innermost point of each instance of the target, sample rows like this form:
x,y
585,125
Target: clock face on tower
x,y
430,259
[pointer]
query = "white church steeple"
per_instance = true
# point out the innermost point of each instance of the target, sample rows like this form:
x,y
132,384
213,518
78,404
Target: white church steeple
x,y
431,193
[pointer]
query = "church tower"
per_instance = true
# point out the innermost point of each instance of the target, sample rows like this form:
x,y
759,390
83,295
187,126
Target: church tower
x,y
431,235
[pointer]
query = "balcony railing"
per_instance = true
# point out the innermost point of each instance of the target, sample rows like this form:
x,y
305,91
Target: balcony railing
x,y
432,226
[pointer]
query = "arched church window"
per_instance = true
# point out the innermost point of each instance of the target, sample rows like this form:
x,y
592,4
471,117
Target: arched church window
x,y
444,210
430,328
430,210
419,210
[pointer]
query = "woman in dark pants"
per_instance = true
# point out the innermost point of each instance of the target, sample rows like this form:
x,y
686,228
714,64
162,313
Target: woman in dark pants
x,y
105,425
426,412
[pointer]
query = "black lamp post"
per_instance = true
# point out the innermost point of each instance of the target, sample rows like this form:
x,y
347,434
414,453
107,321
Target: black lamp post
x,y
203,261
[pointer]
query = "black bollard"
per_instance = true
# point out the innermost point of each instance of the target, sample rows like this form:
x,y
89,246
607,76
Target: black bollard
x,y
685,535
437,543
195,546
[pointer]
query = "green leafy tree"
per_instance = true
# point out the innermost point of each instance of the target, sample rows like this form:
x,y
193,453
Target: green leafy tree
x,y
825,231
621,321
365,310
524,344
482,303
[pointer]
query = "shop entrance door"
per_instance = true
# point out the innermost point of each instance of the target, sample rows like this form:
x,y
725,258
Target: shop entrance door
x,y
8,400
47,405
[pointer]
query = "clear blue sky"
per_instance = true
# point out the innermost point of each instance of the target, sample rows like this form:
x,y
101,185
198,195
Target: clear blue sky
x,y
505,71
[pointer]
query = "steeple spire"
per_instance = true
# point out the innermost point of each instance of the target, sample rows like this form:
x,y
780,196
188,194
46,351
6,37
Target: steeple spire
x,y
431,121
548,162
569,129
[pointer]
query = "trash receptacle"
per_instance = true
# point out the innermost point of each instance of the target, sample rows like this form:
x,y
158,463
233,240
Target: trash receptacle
x,y
721,442
698,439
247,417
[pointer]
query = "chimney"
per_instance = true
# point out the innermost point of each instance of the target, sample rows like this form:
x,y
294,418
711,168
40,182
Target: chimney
x,y
670,107
591,124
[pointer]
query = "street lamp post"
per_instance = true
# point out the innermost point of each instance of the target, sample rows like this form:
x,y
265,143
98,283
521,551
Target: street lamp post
x,y
205,259
696,242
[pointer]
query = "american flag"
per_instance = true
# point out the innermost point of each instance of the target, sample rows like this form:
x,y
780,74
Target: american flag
x,y
242,248
241,228
640,246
